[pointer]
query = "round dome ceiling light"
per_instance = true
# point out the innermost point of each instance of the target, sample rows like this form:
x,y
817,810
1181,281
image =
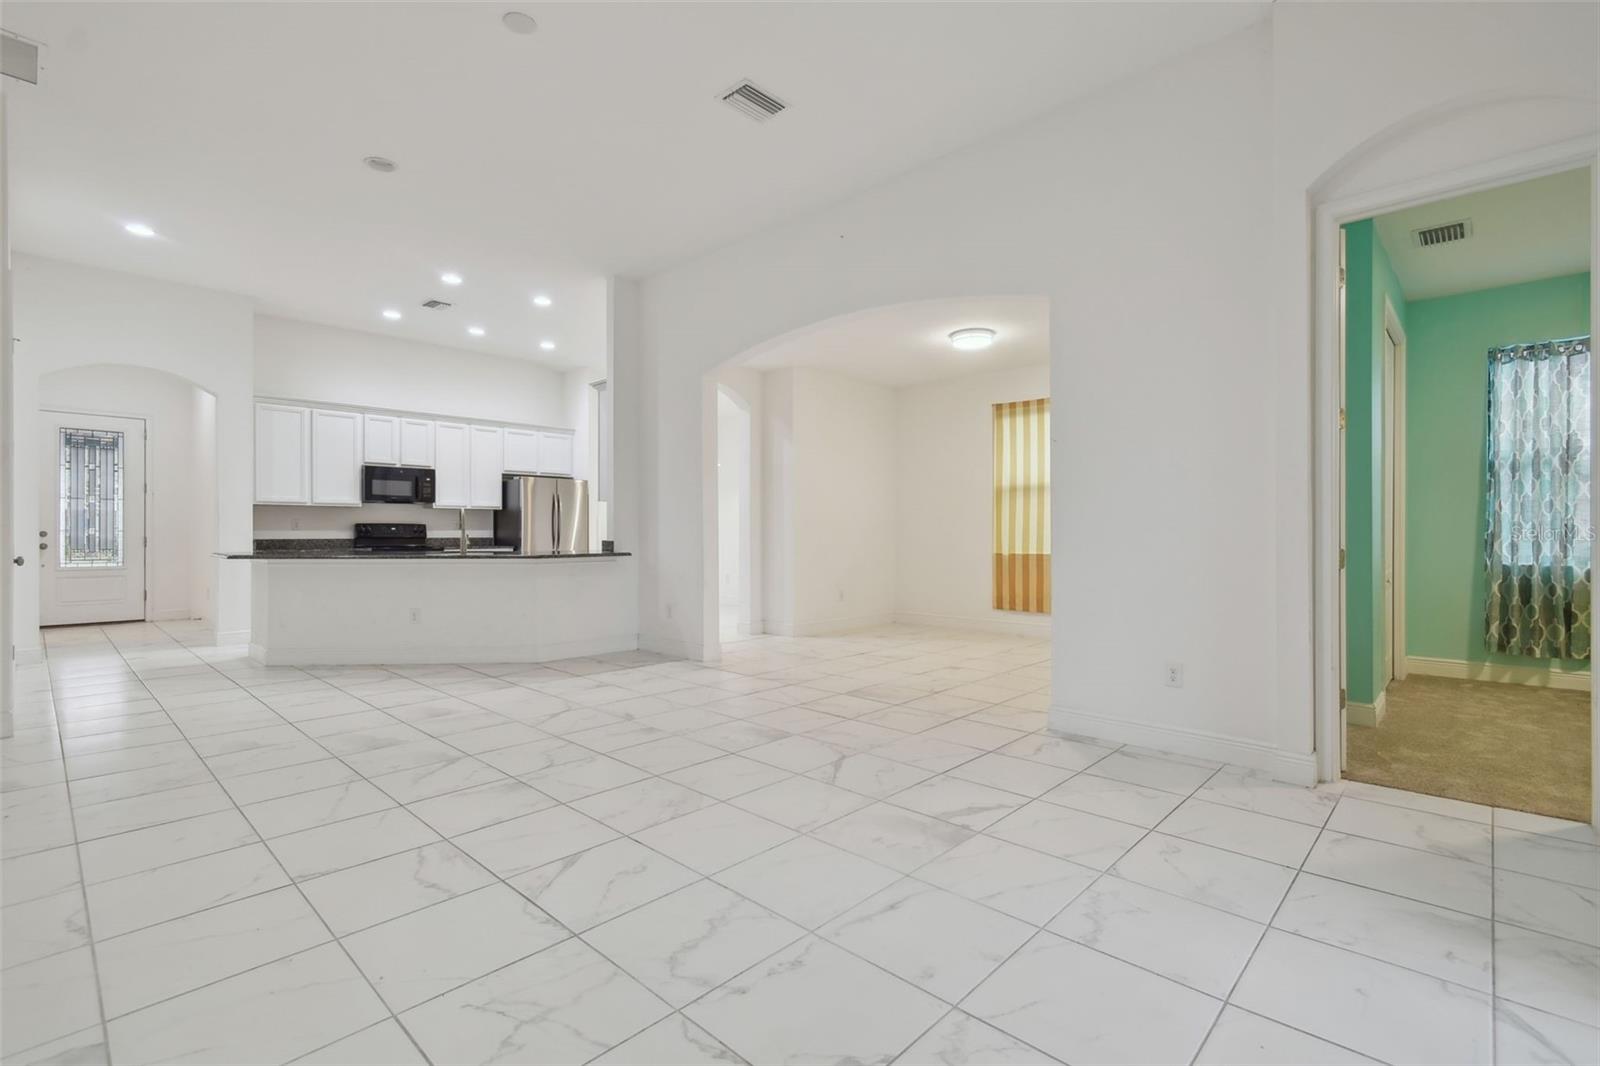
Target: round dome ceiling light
x,y
974,339
476,331
519,22
450,277
391,314
541,300
548,346
381,165
140,229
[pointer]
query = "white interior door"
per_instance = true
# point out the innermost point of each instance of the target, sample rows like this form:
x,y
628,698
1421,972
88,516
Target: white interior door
x,y
1389,419
91,525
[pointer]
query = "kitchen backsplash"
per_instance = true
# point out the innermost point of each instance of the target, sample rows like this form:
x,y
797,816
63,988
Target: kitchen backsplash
x,y
280,522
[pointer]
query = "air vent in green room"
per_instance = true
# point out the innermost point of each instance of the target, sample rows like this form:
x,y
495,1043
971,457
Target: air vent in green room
x,y
1446,233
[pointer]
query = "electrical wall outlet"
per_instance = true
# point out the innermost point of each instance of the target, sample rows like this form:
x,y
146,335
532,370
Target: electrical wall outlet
x,y
1174,675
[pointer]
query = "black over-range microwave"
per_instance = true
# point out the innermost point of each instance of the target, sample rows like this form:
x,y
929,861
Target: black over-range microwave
x,y
396,484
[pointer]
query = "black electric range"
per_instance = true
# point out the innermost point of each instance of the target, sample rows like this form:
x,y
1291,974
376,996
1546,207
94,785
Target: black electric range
x,y
380,537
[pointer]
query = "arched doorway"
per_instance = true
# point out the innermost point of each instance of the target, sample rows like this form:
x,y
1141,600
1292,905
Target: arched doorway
x,y
127,494
1419,160
865,495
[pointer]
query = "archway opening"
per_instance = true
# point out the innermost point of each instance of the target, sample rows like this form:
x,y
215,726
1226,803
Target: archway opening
x,y
894,490
125,461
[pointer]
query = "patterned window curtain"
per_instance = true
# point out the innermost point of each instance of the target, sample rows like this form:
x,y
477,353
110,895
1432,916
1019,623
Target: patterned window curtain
x,y
1022,506
1539,542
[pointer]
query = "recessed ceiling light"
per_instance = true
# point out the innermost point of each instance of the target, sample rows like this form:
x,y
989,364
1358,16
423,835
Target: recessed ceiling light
x,y
391,314
519,22
140,229
476,331
974,339
450,277
381,165
541,300
548,346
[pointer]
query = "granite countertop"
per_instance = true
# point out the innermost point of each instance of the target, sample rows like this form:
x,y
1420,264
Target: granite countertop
x,y
344,549
283,556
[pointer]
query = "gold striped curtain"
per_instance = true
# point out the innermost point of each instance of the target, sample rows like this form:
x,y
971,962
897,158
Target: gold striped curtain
x,y
1022,506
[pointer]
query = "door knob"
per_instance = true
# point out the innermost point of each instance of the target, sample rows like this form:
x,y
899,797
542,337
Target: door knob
x,y
44,547
18,560
43,533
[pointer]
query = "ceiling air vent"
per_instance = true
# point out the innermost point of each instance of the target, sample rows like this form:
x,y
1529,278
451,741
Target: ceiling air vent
x,y
1445,234
752,101
437,305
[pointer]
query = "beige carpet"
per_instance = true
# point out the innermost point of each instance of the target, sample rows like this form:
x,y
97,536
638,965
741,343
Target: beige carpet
x,y
1505,745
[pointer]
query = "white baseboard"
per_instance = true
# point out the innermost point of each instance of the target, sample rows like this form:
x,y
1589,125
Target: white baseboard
x,y
171,614
229,637
324,655
1368,714
1007,622
828,627
1538,676
673,647
1298,768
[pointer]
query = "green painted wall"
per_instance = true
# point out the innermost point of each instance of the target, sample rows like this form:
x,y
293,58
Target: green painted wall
x,y
1369,278
1447,341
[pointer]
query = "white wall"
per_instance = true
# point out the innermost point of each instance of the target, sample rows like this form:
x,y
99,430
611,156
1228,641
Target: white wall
x,y
830,558
733,481
179,506
944,517
304,361
1166,220
70,316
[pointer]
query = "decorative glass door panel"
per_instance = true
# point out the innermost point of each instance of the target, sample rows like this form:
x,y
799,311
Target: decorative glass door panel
x,y
91,527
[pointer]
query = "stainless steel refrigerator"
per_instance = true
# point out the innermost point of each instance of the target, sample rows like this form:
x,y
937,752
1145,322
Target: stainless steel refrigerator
x,y
543,515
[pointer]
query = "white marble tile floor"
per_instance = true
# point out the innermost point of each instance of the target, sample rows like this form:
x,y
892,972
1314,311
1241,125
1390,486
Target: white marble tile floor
x,y
865,848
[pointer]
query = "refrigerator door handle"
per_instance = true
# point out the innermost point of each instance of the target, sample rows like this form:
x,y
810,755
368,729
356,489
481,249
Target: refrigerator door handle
x,y
558,523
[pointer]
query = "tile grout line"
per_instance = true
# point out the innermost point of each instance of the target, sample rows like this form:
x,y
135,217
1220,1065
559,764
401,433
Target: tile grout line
x,y
807,833
305,901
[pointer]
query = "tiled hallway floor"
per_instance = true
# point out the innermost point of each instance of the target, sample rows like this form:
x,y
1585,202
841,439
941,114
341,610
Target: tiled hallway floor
x,y
857,849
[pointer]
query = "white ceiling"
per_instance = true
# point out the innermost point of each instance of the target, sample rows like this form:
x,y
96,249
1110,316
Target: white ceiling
x,y
527,163
1523,232
909,344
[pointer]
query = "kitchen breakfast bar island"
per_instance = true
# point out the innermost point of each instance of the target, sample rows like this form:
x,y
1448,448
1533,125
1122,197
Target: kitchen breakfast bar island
x,y
330,608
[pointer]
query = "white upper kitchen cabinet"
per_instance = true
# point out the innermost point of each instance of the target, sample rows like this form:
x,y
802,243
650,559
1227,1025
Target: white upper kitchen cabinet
x,y
522,451
336,457
555,453
283,453
381,439
452,465
416,442
488,463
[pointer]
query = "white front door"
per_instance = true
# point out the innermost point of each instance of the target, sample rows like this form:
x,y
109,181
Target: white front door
x,y
91,524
